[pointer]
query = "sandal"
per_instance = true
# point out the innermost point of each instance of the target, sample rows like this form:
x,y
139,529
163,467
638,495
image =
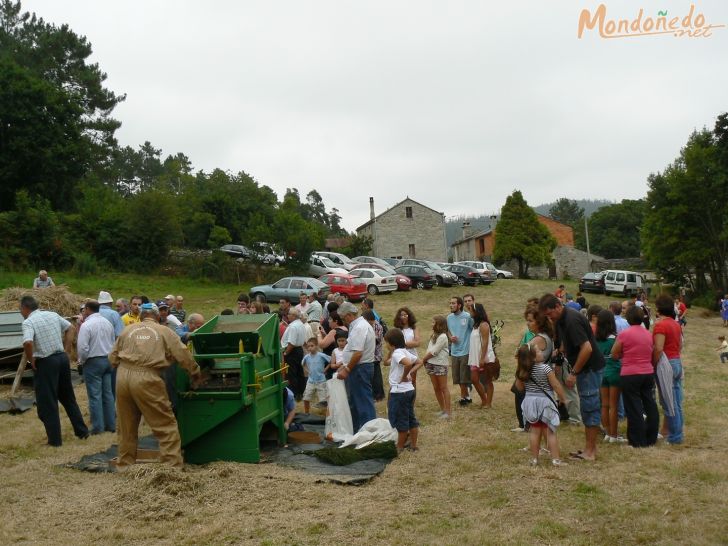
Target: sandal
x,y
559,462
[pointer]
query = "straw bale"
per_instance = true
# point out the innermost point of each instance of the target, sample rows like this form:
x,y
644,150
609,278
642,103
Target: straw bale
x,y
56,298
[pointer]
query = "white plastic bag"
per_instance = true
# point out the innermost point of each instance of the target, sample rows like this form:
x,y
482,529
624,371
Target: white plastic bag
x,y
338,416
374,431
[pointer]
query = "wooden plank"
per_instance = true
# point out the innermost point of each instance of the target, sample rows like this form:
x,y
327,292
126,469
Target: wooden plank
x,y
18,375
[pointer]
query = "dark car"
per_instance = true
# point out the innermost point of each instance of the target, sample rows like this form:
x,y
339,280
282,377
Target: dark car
x,y
236,251
443,277
592,282
422,277
466,275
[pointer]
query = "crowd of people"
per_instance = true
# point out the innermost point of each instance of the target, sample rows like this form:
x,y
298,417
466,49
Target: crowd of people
x,y
576,362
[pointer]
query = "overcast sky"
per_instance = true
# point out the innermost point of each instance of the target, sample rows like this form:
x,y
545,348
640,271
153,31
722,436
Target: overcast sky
x,y
453,103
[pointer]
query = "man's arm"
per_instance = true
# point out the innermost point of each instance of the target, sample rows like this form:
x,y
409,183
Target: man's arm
x,y
345,370
180,354
28,351
585,351
82,345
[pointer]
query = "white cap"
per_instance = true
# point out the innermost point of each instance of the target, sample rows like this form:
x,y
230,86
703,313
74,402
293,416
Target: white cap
x,y
105,297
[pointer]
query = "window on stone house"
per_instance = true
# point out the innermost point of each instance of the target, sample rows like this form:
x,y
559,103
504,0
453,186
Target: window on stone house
x,y
408,213
412,253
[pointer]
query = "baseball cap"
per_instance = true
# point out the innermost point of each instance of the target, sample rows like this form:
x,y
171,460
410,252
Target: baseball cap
x,y
162,303
105,297
150,307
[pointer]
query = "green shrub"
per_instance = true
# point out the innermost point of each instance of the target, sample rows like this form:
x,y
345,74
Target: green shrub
x,y
85,265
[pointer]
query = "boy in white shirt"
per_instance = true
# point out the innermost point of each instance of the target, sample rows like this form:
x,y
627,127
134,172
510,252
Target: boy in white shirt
x,y
337,356
723,349
401,403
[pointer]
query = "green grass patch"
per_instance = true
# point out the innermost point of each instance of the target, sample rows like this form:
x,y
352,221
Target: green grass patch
x,y
549,530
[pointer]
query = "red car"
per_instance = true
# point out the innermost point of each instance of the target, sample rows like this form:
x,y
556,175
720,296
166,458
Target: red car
x,y
404,283
352,287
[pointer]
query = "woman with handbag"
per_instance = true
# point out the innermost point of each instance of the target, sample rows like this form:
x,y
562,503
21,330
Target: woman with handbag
x,y
481,356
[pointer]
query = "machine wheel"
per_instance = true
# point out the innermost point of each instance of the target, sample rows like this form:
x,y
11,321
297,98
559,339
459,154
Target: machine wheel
x,y
501,276
373,290
420,285
438,281
255,296
461,281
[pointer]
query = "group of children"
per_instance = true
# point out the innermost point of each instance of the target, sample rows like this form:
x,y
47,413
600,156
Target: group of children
x,y
400,405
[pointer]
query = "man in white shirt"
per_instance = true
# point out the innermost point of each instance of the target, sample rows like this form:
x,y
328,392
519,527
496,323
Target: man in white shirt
x,y
358,367
315,313
292,342
95,341
303,303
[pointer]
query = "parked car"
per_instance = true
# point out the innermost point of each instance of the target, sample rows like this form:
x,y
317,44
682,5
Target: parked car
x,y
322,266
339,259
352,287
623,282
378,281
422,277
442,276
392,261
592,282
372,261
404,283
487,274
268,253
237,251
386,267
503,274
466,275
290,288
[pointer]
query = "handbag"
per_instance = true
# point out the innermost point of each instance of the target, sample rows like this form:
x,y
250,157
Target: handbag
x,y
491,369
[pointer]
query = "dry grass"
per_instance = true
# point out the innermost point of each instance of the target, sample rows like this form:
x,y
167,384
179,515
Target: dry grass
x,y
55,298
469,484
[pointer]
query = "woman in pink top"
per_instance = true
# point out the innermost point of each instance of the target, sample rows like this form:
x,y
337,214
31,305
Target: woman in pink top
x,y
634,347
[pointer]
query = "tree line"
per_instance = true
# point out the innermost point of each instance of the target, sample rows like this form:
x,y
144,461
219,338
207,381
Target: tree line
x,y
680,227
71,193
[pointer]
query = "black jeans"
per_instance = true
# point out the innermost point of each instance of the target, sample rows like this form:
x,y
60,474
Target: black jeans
x,y
296,379
638,392
377,383
52,384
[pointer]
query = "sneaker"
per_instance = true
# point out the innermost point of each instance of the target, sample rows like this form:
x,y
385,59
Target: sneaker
x,y
573,421
617,439
518,429
544,451
444,415
607,438
660,436
559,462
534,462
463,402
468,400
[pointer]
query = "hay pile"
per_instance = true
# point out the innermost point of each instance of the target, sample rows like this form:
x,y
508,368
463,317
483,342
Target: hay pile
x,y
56,298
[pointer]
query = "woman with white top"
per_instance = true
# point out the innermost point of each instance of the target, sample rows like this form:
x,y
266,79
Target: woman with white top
x,y
405,320
481,351
436,363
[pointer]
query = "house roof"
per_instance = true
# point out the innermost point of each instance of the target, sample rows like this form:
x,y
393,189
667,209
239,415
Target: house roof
x,y
476,235
408,198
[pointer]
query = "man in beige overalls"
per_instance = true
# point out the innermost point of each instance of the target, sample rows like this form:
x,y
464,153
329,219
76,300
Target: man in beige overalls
x,y
141,353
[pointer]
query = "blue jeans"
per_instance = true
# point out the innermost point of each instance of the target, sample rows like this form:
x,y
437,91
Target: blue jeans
x,y
675,423
97,376
359,391
588,383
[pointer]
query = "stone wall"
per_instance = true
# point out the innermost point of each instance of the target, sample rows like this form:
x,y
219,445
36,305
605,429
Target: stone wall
x,y
569,262
393,232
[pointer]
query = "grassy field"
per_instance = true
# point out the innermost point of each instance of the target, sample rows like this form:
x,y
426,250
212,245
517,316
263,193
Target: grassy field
x,y
468,484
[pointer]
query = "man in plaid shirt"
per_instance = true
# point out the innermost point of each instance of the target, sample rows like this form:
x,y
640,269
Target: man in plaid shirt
x,y
44,334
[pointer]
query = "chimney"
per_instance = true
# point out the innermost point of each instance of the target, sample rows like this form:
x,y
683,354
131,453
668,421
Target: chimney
x,y
371,208
466,229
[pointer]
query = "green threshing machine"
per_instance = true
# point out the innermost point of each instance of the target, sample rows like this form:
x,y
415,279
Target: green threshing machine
x,y
240,404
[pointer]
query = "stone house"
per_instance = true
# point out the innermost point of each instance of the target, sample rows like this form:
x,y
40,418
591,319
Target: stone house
x,y
407,229
567,260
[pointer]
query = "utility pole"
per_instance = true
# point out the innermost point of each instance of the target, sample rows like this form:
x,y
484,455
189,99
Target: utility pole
x,y
588,252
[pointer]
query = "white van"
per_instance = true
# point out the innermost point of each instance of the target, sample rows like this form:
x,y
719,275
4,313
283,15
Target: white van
x,y
623,282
